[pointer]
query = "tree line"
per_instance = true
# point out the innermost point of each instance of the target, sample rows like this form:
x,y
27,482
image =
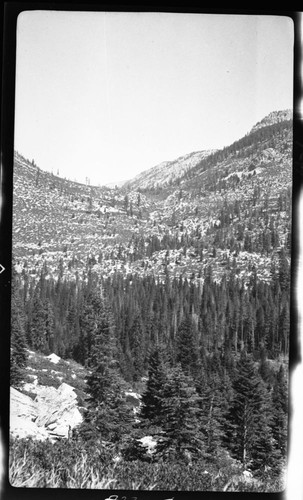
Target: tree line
x,y
211,387
226,316
195,408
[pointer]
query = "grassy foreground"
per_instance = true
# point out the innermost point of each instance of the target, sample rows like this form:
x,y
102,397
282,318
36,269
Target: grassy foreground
x,y
68,464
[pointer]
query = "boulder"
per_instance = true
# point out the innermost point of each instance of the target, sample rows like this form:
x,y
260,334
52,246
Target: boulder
x,y
247,473
149,444
53,358
23,413
23,428
22,405
58,406
52,414
133,398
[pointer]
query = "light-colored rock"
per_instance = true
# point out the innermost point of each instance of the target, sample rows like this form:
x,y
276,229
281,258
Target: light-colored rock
x,y
23,413
23,428
23,405
51,426
31,386
58,405
247,473
133,398
51,414
149,443
53,358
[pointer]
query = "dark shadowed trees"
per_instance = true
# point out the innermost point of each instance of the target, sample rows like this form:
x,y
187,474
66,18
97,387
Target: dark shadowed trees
x,y
18,354
108,417
181,436
249,434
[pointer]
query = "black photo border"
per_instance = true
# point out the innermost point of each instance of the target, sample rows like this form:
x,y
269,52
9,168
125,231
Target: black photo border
x,y
10,12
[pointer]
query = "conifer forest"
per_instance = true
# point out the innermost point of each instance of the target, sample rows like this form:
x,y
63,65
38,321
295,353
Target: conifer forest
x,y
171,297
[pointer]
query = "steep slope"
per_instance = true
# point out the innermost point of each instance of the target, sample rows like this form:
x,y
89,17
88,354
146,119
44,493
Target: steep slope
x,y
243,198
167,172
52,398
272,118
197,268
234,206
231,205
64,224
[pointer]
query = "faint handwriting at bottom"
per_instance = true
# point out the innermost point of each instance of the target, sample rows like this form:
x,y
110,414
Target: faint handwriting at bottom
x,y
116,497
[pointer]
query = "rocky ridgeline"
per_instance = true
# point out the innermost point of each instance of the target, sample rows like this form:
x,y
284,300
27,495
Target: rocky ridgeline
x,y
273,117
167,172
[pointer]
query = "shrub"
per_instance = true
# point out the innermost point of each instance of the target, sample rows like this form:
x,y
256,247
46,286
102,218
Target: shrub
x,y
64,464
76,464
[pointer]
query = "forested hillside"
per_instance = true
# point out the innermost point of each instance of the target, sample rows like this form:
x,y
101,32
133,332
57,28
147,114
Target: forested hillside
x,y
179,289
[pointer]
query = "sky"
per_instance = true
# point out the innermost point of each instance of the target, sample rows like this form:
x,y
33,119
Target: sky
x,y
106,95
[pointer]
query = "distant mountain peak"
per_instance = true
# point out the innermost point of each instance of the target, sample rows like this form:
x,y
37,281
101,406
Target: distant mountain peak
x,y
167,172
272,118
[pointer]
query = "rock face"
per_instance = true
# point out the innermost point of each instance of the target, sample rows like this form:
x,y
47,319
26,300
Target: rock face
x,y
53,358
23,413
273,117
149,444
50,415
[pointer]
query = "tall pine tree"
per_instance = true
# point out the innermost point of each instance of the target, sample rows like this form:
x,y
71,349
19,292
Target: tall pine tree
x,y
187,349
181,437
18,355
108,417
152,410
249,435
280,411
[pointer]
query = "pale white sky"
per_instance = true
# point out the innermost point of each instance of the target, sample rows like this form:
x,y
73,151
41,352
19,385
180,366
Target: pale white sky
x,y
108,95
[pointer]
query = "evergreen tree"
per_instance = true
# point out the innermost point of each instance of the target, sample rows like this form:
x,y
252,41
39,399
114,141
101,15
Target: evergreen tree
x,y
280,411
18,355
214,388
265,453
108,417
249,435
152,410
49,326
37,327
212,415
137,347
181,436
88,322
264,368
72,326
187,350
284,324
284,270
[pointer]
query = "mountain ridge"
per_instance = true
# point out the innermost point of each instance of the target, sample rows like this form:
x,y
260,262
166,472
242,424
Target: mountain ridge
x,y
185,283
171,172
166,172
68,227
273,117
